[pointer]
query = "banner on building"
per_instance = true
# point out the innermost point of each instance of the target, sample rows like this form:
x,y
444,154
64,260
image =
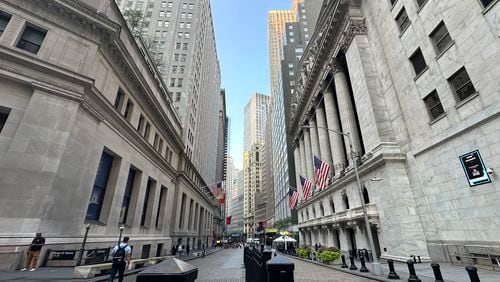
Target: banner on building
x,y
228,220
474,168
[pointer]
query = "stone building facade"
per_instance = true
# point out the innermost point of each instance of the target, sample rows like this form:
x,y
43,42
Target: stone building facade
x,y
415,85
89,136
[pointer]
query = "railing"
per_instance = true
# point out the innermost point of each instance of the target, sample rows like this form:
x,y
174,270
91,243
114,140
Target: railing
x,y
69,257
255,264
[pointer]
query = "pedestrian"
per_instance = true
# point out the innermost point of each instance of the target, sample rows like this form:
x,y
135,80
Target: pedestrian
x,y
187,249
203,252
174,249
316,247
34,252
121,259
319,245
179,250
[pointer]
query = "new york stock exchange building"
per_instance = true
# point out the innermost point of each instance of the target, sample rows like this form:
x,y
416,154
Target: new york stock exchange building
x,y
415,85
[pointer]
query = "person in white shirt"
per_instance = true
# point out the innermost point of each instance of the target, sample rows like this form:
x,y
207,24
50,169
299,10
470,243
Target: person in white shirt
x,y
121,259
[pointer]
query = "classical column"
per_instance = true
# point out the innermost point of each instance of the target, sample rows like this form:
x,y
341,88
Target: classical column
x,y
316,150
309,162
302,158
296,155
332,119
324,140
346,110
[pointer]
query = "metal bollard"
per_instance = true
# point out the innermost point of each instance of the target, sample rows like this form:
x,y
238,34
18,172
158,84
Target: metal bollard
x,y
392,272
419,260
472,273
437,272
363,266
414,259
353,266
344,265
411,268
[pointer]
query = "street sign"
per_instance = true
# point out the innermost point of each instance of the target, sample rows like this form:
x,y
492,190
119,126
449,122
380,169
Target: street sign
x,y
474,169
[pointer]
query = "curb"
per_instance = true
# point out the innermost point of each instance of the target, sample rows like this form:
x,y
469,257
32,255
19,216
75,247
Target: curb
x,y
135,271
360,274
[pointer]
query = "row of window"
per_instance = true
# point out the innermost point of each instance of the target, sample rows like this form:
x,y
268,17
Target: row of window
x,y
304,214
31,38
143,126
421,3
441,40
179,82
164,4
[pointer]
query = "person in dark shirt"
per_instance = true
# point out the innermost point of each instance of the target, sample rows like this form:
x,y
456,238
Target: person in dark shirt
x,y
34,252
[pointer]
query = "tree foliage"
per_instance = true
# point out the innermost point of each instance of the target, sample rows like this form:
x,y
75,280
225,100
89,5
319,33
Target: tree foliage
x,y
135,21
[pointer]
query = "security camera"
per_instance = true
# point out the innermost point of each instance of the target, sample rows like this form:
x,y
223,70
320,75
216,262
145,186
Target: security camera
x,y
490,171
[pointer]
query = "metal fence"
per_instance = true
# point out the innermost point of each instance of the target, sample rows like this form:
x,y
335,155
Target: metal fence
x,y
255,264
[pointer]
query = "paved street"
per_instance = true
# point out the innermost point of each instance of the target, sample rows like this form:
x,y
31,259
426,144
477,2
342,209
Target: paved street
x,y
305,271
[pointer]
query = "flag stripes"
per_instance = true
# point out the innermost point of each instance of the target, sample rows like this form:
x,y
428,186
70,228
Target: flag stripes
x,y
322,169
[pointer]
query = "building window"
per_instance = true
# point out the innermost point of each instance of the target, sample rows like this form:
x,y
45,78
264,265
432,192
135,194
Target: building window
x,y
127,196
170,4
440,37
418,62
402,20
31,39
163,4
184,46
168,14
181,70
119,99
462,85
4,114
179,34
100,184
141,123
128,110
332,206
178,46
183,15
190,15
172,82
4,20
346,201
188,25
433,105
166,24
177,96
183,57
161,206
486,3
186,35
159,23
191,6
146,131
421,3
146,205
181,214
181,25
176,57
162,14
179,82
393,2
366,197
174,69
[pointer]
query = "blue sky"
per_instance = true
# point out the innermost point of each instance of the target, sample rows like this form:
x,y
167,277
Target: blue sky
x,y
241,34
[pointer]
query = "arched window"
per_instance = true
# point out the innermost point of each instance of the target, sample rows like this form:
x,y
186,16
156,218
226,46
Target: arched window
x,y
346,201
332,206
365,196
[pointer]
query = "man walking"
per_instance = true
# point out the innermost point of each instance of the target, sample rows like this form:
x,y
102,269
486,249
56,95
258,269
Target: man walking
x,y
187,249
34,252
121,259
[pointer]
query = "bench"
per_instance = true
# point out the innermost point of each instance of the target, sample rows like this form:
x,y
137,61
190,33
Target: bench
x,y
90,271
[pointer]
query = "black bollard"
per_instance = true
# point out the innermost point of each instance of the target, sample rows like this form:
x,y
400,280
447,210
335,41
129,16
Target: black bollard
x,y
414,259
419,260
392,272
472,273
437,272
411,268
353,266
344,265
363,266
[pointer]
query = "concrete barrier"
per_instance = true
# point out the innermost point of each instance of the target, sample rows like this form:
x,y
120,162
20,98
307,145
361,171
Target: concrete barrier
x,y
9,260
90,271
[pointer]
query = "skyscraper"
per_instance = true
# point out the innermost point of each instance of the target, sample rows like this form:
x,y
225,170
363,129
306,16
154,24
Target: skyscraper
x,y
180,35
254,125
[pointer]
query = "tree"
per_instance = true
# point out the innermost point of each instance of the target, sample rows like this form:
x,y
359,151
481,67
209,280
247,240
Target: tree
x,y
135,21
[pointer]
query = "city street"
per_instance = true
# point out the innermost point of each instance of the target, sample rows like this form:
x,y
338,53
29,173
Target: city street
x,y
227,266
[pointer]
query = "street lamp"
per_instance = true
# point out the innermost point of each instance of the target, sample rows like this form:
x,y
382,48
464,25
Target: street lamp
x,y
120,237
375,264
82,249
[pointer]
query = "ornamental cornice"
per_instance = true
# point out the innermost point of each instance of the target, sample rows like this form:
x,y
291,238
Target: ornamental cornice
x,y
354,26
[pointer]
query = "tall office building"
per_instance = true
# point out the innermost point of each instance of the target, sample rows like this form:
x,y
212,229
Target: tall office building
x,y
236,206
276,27
293,36
181,37
254,125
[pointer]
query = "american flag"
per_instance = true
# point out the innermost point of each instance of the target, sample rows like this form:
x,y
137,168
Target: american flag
x,y
217,188
306,187
322,169
293,197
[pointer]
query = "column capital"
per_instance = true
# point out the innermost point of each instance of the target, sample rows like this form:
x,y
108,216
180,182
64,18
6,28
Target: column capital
x,y
354,26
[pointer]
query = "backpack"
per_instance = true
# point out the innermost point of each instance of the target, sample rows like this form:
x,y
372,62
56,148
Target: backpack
x,y
119,255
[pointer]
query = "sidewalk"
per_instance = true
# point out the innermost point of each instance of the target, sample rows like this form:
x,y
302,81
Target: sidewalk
x,y
59,274
451,273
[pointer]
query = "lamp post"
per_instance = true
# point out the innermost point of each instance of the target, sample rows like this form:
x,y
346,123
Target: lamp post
x,y
82,249
120,237
376,269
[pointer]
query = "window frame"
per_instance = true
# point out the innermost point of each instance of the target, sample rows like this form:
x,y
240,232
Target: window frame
x,y
456,89
402,29
431,108
34,27
8,17
436,43
413,56
4,117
